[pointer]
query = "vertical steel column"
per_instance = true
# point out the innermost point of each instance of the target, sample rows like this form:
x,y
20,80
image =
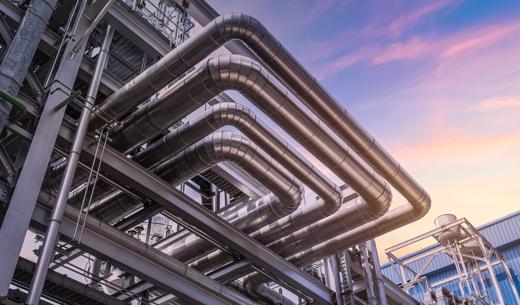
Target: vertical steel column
x,y
379,276
457,267
347,287
21,51
369,279
334,265
51,236
326,272
18,215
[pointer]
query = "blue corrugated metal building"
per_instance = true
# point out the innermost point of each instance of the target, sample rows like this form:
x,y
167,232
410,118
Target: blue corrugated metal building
x,y
503,233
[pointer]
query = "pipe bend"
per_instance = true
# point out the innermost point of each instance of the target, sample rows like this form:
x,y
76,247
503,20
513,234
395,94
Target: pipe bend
x,y
246,121
234,147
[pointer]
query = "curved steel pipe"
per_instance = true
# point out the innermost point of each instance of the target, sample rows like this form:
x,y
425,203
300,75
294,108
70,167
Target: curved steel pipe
x,y
240,73
304,85
392,220
234,147
295,242
243,119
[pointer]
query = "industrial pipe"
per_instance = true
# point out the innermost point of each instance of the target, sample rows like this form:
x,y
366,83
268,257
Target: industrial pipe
x,y
221,146
245,120
254,286
277,57
312,235
392,220
251,79
51,236
232,146
20,53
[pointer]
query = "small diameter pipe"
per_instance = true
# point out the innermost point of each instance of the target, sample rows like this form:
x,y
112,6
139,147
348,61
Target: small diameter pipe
x,y
51,235
21,110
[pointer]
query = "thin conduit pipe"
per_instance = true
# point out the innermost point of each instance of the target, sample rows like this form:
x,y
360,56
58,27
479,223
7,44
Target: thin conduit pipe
x,y
251,79
51,235
301,82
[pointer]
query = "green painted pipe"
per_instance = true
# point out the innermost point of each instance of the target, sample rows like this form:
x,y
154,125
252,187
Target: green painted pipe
x,y
20,107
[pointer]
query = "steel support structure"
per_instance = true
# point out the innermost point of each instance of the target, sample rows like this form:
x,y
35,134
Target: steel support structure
x,y
133,256
205,223
26,192
51,236
469,266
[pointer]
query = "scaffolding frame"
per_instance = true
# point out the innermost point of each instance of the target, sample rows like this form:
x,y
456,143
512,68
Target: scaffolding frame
x,y
469,266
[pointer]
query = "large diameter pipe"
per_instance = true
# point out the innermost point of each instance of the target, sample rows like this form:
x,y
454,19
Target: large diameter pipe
x,y
392,220
145,157
51,235
279,60
232,146
254,286
251,79
238,149
240,117
21,50
310,236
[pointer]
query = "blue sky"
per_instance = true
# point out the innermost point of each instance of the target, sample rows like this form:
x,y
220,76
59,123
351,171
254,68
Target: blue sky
x,y
437,83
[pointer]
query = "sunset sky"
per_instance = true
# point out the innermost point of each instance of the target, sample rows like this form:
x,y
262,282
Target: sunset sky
x,y
436,82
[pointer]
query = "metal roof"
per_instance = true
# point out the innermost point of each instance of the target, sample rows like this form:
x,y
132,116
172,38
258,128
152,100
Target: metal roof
x,y
502,233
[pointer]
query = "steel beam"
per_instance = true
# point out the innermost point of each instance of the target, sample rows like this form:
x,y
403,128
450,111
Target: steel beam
x,y
19,55
203,221
26,192
133,256
64,281
137,30
49,46
240,179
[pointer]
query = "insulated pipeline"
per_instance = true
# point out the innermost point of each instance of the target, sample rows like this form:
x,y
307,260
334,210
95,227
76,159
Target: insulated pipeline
x,y
276,56
252,80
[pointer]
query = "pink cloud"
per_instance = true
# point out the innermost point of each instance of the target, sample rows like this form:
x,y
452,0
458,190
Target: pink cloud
x,y
438,49
498,103
319,8
379,27
414,48
460,147
407,21
345,62
480,38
